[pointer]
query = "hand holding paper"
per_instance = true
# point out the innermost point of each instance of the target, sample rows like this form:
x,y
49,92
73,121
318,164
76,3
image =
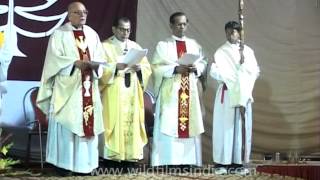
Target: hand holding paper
x,y
134,56
93,63
136,67
188,59
121,66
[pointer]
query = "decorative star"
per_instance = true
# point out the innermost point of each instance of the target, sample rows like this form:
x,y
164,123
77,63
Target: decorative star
x,y
184,96
183,119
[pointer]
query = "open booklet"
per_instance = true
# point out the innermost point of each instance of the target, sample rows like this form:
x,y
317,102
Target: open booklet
x,y
134,56
188,59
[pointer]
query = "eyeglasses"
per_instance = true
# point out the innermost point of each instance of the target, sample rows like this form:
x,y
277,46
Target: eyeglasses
x,y
85,12
181,24
123,30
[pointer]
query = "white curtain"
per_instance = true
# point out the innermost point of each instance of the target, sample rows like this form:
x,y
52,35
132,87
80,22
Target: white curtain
x,y
285,36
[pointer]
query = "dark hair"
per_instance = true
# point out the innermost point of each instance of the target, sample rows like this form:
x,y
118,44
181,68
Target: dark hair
x,y
117,21
232,25
177,14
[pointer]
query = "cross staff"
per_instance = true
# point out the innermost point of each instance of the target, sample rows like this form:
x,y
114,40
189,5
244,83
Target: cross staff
x,y
241,108
241,6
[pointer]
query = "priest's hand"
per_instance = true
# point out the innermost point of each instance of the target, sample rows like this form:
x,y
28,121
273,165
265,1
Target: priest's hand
x,y
82,64
94,65
121,66
181,69
192,68
136,67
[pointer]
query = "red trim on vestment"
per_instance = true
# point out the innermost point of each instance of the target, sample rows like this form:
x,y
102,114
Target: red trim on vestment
x,y
86,76
224,88
184,97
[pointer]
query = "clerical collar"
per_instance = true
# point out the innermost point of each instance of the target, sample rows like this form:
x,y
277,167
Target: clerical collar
x,y
237,46
77,28
178,38
122,44
117,41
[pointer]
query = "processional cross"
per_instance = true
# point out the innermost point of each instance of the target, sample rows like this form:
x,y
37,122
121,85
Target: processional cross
x,y
241,108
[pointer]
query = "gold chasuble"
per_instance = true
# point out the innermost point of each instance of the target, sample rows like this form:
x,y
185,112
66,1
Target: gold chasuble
x,y
86,76
123,105
184,97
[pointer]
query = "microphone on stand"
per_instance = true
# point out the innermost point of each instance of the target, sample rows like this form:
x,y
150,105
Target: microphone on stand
x,y
125,50
126,75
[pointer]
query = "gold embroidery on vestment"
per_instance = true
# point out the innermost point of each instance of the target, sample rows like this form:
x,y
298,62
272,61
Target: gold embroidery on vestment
x,y
81,44
88,110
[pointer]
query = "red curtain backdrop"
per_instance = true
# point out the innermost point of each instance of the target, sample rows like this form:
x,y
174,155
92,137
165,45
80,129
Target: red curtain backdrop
x,y
100,18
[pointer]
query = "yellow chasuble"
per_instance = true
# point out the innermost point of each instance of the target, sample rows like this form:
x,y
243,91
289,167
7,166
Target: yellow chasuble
x,y
123,106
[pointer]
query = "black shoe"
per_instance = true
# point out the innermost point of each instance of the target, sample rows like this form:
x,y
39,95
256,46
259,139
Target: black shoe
x,y
221,165
221,169
81,174
233,168
63,172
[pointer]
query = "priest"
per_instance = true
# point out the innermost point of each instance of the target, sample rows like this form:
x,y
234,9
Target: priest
x,y
69,94
178,122
122,88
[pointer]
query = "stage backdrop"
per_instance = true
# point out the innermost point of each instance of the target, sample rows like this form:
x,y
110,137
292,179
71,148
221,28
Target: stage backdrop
x,y
32,22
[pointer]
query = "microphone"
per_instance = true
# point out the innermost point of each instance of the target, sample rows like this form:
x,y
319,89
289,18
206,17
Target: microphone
x,y
125,50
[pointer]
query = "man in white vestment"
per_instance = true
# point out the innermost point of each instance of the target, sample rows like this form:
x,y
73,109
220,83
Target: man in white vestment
x,y
233,99
69,94
178,123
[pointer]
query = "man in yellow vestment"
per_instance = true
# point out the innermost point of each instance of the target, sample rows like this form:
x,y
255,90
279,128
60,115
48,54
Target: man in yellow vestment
x,y
122,90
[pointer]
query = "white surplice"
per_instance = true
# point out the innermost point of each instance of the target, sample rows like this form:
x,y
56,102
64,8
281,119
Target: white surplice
x,y
239,79
60,97
167,148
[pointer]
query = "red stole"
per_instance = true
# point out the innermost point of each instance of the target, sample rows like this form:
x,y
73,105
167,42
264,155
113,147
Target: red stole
x,y
184,97
86,76
224,88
